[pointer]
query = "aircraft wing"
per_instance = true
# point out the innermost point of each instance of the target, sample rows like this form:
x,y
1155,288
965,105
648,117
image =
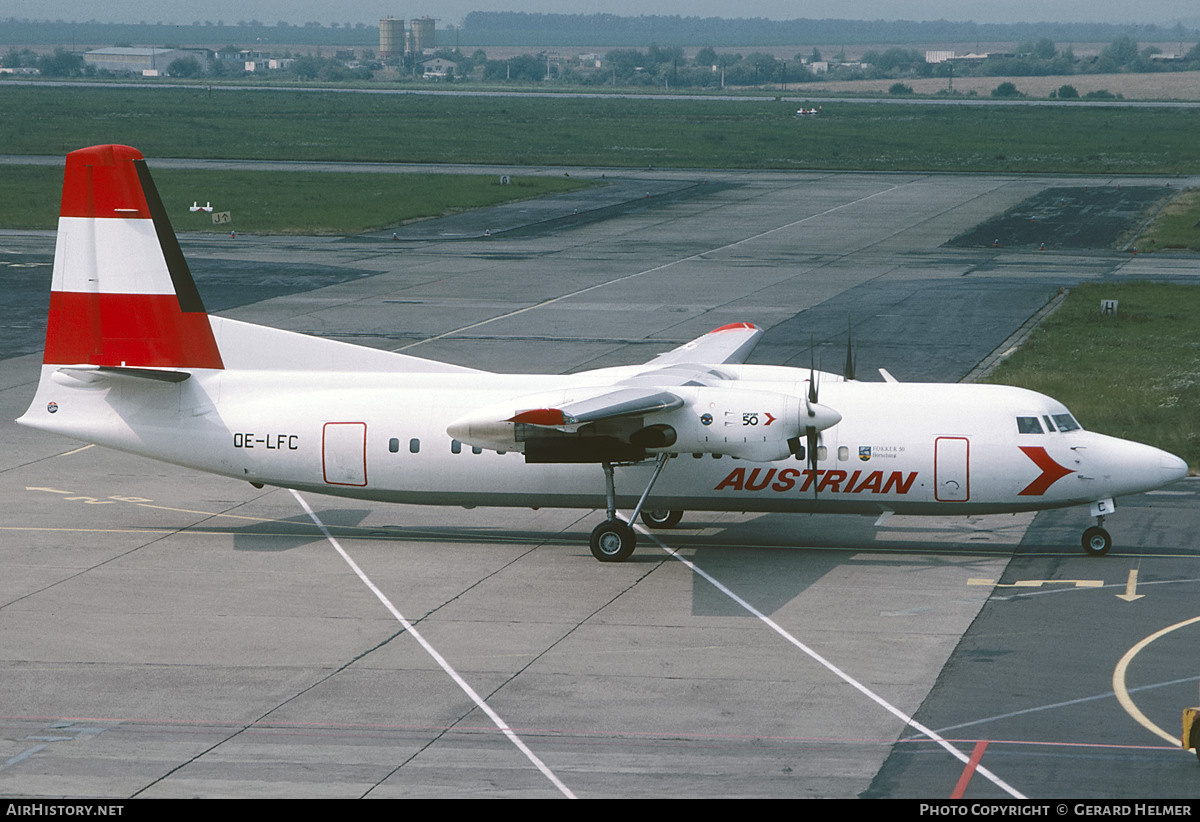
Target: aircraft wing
x,y
635,415
608,405
728,344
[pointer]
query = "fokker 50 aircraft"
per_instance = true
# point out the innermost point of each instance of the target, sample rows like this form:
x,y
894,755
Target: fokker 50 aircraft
x,y
134,362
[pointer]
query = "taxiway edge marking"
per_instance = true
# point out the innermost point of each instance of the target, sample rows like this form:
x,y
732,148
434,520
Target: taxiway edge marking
x,y
437,657
845,677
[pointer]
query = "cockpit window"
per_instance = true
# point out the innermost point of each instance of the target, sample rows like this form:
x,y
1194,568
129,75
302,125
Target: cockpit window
x,y
1066,422
1028,425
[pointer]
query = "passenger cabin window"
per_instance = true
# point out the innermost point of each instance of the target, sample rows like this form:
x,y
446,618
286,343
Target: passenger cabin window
x,y
394,445
414,446
455,447
1028,425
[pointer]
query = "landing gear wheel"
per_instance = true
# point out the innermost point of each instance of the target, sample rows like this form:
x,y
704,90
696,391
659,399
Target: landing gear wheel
x,y
1096,541
613,541
662,518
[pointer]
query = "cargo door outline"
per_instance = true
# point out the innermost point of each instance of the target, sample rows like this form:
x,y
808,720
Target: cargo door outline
x,y
344,453
952,469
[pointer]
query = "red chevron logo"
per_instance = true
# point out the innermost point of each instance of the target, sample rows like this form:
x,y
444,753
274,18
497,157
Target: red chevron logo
x,y
1052,472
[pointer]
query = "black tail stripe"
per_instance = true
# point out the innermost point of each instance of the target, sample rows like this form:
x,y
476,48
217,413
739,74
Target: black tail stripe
x,y
181,275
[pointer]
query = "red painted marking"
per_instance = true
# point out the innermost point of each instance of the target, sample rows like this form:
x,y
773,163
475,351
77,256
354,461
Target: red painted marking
x,y
827,480
969,770
1052,472
325,451
770,417
944,463
129,329
735,327
539,416
101,181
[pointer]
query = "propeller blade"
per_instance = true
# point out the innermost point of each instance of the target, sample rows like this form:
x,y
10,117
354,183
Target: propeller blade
x,y
848,371
812,437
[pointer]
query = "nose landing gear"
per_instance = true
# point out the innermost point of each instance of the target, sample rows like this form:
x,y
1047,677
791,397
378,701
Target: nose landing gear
x,y
1096,541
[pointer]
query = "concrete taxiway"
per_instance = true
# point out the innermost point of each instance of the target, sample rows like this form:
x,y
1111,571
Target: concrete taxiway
x,y
173,634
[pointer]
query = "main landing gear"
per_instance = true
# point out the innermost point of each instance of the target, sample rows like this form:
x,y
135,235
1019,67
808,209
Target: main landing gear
x,y
662,518
613,540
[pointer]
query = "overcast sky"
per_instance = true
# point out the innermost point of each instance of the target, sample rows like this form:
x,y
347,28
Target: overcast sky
x,y
1162,12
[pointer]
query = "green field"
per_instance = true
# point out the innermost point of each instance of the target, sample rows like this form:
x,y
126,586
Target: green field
x,y
1176,228
598,131
293,202
1135,375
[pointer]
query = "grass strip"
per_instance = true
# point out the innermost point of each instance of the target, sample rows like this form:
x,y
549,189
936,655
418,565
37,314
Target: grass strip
x,y
286,202
608,131
1176,227
1135,375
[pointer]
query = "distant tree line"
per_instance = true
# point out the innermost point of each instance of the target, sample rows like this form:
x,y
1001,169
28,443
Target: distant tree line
x,y
485,28
1031,58
664,66
198,33
481,29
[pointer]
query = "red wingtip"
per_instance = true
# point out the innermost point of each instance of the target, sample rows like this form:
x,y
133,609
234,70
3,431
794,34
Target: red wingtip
x,y
735,327
101,181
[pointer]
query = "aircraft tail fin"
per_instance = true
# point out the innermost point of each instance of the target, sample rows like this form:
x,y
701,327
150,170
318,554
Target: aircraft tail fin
x,y
122,294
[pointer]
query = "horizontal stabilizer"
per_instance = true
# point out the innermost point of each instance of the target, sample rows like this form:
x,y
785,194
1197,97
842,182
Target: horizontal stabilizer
x,y
99,373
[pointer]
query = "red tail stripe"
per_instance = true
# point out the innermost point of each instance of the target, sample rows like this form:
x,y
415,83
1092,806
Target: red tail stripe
x,y
131,329
101,181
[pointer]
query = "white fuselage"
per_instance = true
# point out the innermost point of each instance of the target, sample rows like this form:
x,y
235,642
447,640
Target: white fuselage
x,y
901,447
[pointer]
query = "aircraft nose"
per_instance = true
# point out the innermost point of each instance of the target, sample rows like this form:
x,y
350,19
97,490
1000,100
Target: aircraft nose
x,y
1171,467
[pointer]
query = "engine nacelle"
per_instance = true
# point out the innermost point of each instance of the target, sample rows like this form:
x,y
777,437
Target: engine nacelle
x,y
755,425
751,424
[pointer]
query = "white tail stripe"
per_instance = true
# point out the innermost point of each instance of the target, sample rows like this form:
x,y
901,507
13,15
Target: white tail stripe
x,y
109,256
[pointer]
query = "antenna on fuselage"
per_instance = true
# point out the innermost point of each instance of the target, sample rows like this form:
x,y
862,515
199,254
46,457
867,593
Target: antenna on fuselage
x,y
848,370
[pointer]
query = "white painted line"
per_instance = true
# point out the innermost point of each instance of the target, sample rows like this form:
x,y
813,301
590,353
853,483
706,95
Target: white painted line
x,y
845,677
22,756
1054,706
429,649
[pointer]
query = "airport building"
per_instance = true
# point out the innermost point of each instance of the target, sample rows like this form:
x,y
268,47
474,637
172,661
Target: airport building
x,y
149,62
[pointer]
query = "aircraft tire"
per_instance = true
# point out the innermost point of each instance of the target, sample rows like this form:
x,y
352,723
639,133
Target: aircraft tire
x,y
1096,541
662,518
613,541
